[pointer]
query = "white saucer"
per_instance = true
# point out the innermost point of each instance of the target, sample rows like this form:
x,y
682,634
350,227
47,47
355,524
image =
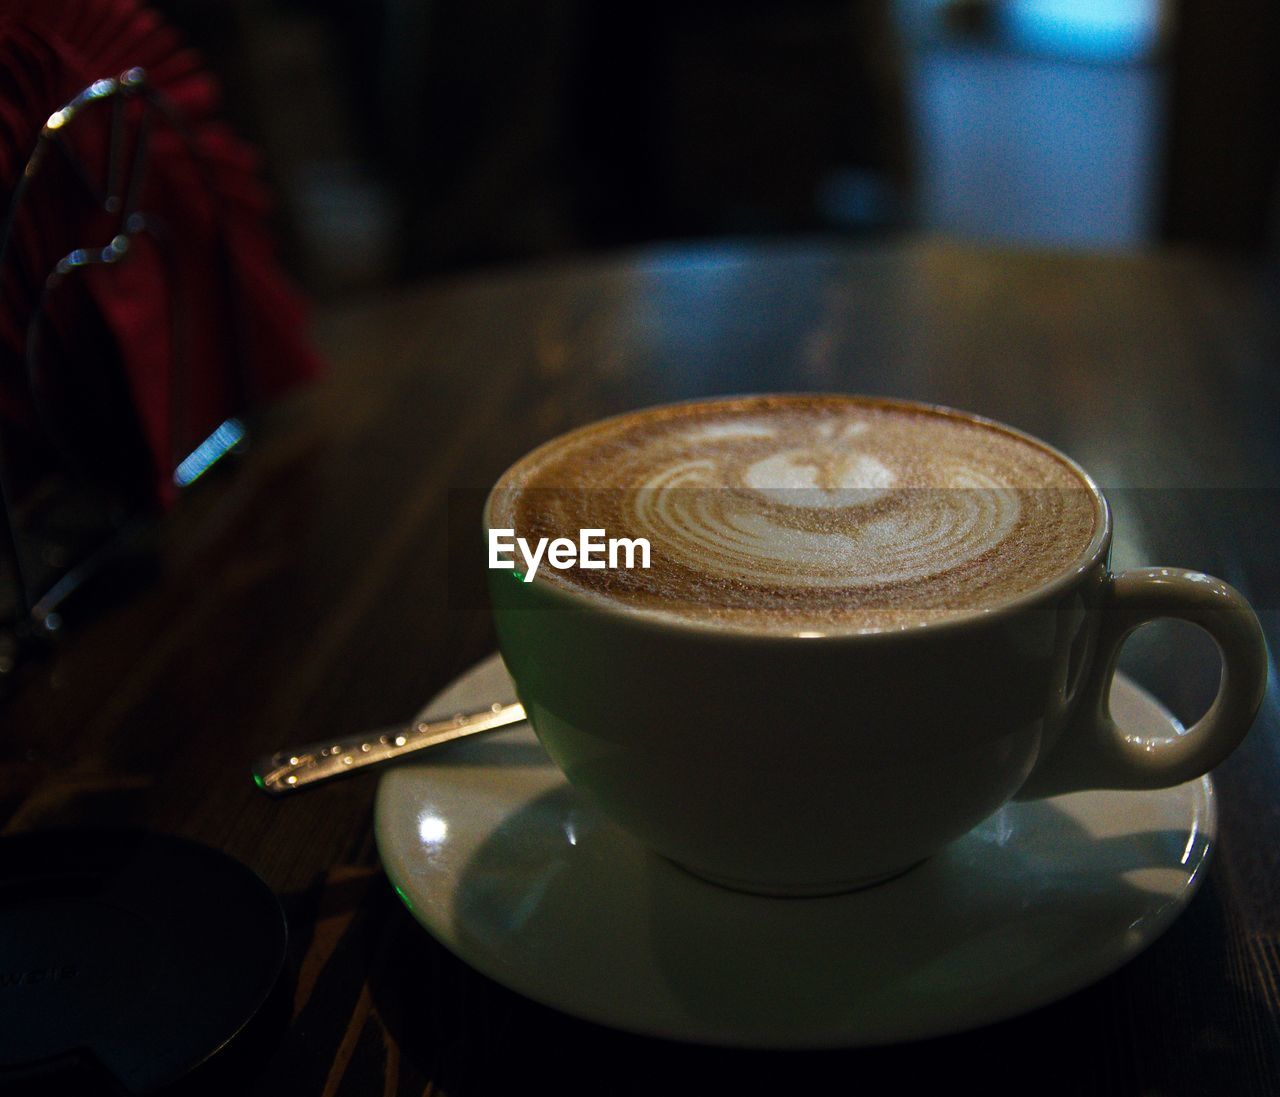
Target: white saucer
x,y
506,865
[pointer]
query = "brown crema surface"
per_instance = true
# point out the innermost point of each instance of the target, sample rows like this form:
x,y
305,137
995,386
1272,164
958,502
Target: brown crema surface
x,y
795,513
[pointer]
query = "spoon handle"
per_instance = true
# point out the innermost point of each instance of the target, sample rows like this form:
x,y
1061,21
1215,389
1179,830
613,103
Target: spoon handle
x,y
290,770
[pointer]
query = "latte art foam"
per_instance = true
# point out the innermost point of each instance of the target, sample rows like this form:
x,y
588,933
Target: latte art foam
x,y
793,512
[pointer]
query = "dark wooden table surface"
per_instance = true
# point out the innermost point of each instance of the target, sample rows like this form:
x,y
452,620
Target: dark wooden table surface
x,y
327,584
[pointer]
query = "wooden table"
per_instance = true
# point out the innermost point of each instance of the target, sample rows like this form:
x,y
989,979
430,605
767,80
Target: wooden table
x,y
328,584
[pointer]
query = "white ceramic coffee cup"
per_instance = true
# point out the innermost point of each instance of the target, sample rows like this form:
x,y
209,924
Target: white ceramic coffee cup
x,y
809,764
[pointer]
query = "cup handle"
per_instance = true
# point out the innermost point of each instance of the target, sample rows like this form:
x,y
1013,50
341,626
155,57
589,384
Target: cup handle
x,y
1094,753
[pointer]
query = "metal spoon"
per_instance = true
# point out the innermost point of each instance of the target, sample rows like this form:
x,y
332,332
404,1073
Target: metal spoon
x,y
290,770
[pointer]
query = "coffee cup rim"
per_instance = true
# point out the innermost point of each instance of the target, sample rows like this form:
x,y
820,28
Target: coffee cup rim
x,y
1094,552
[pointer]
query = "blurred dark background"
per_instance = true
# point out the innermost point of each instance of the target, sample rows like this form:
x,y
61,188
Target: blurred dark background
x,y
406,137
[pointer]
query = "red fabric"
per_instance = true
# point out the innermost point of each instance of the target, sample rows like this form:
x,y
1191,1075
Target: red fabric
x,y
209,263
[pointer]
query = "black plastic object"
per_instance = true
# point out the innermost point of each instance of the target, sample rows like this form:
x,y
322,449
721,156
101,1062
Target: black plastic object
x,y
128,961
